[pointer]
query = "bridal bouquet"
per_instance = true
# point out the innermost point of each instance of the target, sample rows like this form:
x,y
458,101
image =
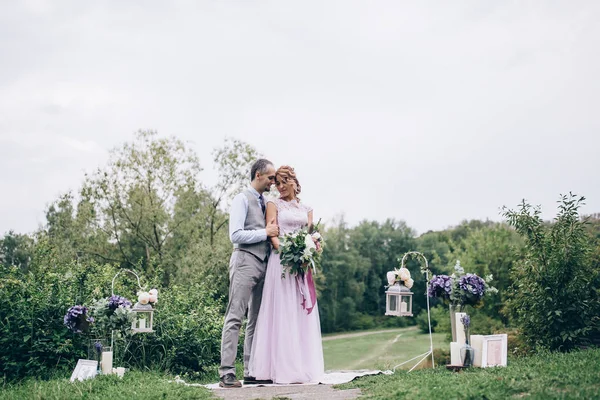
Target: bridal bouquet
x,y
301,250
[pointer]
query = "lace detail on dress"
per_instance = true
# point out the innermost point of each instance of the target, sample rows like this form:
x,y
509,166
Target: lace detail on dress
x,y
291,215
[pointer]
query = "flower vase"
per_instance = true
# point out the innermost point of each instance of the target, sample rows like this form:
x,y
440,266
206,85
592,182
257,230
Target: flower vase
x,y
453,310
97,350
467,353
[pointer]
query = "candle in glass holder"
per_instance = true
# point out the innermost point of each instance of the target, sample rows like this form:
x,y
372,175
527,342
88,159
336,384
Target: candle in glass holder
x,y
107,361
403,307
142,323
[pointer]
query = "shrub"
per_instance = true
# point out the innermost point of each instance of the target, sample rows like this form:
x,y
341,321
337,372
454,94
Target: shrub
x,y
441,356
35,341
188,324
440,320
555,300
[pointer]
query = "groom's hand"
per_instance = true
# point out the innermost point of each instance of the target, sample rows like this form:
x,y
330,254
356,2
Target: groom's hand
x,y
272,228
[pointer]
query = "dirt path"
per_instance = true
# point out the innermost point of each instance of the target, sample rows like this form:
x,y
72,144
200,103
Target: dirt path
x,y
288,392
359,334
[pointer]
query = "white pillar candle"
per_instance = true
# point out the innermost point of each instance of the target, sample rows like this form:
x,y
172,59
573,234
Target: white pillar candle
x,y
455,353
403,307
142,323
476,342
460,328
107,361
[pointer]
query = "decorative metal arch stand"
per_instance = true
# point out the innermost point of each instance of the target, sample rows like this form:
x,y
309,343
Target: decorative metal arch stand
x,y
430,352
112,291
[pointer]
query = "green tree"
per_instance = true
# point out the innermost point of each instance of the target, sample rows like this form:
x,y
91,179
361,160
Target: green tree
x,y
491,249
16,250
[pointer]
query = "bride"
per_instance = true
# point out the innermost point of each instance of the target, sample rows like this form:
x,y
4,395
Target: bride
x,y
287,339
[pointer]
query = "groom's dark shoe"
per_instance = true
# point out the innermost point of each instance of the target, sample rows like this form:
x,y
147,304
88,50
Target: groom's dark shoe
x,y
250,380
229,381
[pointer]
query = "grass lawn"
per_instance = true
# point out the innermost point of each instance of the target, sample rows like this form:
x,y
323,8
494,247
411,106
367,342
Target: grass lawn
x,y
377,350
134,385
544,376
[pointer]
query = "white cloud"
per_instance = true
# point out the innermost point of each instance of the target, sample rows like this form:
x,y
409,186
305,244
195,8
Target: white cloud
x,y
425,112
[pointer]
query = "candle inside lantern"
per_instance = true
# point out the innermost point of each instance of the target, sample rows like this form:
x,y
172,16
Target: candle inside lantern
x,y
142,323
106,362
403,307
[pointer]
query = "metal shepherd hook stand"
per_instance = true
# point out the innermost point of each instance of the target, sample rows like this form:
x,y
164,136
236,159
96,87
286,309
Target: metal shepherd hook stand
x,y
112,291
430,352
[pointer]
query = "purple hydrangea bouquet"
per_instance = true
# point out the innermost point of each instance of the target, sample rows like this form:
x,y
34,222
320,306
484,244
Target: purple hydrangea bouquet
x,y
460,289
113,313
77,319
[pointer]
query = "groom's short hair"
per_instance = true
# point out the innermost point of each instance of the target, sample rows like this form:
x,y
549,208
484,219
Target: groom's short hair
x,y
259,166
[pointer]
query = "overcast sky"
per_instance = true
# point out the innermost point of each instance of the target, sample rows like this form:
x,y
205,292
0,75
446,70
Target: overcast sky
x,y
428,112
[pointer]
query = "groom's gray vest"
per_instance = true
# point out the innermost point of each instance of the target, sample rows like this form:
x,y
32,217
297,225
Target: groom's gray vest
x,y
255,219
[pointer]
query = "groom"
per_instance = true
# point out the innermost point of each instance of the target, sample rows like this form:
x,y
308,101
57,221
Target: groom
x,y
249,234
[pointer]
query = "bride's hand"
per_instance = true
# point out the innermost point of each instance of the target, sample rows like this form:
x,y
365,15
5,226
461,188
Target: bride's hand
x,y
275,242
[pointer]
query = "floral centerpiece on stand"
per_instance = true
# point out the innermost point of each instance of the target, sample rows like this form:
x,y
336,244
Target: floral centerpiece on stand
x,y
460,290
103,318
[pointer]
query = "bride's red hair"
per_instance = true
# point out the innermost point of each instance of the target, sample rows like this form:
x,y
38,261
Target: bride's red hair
x,y
284,174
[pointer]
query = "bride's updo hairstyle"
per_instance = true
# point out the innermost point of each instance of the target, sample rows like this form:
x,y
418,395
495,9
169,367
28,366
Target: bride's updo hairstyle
x,y
285,174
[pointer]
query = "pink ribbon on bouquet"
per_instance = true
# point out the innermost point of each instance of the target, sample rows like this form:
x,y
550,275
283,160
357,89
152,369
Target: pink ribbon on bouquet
x,y
306,285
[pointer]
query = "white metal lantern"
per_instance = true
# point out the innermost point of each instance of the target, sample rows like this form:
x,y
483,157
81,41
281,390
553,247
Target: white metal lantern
x,y
144,316
398,301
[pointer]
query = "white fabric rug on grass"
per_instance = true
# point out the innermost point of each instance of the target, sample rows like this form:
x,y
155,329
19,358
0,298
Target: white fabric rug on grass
x,y
330,378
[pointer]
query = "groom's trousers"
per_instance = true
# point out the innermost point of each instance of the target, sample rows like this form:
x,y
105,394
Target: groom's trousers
x,y
246,280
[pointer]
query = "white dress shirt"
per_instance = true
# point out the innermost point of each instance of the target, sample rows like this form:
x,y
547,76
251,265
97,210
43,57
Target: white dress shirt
x,y
237,219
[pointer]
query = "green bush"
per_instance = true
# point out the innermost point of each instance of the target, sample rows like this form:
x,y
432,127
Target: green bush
x,y
440,320
34,341
188,325
554,302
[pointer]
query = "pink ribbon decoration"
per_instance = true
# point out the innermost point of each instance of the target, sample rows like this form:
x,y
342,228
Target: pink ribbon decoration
x,y
306,285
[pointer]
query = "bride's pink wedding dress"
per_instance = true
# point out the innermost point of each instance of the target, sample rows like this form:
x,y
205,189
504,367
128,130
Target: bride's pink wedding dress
x,y
287,339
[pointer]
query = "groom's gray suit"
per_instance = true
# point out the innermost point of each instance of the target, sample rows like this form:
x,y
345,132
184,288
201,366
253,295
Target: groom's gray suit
x,y
247,269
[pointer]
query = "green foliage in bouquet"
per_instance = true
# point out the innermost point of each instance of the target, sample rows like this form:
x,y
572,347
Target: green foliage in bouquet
x,y
301,250
112,314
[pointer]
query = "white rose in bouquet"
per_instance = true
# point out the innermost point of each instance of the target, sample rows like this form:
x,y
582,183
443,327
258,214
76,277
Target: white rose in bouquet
x,y
409,283
309,242
316,236
404,274
391,277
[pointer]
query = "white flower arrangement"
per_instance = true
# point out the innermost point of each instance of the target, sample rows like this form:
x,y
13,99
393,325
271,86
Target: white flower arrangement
x,y
148,297
402,276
